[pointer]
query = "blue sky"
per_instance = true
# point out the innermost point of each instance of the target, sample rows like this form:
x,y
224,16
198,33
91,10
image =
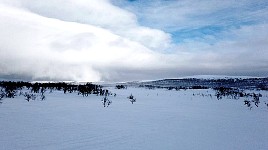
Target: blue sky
x,y
232,15
125,40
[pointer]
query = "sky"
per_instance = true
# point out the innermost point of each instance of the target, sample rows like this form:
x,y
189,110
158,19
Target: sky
x,y
128,40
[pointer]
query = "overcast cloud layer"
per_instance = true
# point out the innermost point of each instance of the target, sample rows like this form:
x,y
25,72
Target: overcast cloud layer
x,y
108,40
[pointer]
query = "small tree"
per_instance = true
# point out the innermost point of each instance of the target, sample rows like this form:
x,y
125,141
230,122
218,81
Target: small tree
x,y
248,104
120,87
43,97
29,97
131,99
2,95
106,102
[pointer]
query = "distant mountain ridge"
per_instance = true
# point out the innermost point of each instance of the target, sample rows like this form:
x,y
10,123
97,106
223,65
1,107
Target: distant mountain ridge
x,y
189,82
218,77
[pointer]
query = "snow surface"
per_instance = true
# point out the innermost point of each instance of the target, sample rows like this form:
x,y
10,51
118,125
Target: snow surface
x,y
159,120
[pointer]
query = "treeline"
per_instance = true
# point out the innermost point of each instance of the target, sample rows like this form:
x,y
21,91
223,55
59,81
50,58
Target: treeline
x,y
174,87
235,93
9,89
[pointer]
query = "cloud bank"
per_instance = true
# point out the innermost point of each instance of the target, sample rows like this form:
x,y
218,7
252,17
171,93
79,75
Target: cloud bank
x,y
42,47
84,40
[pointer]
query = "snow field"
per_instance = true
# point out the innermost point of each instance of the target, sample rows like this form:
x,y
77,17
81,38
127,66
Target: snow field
x,y
160,119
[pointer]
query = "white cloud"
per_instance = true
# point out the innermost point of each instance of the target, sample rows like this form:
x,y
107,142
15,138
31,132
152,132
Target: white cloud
x,y
174,15
46,48
98,13
244,52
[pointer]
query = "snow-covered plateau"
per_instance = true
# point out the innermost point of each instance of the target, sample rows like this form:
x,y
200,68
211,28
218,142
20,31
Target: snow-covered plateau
x,y
160,119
